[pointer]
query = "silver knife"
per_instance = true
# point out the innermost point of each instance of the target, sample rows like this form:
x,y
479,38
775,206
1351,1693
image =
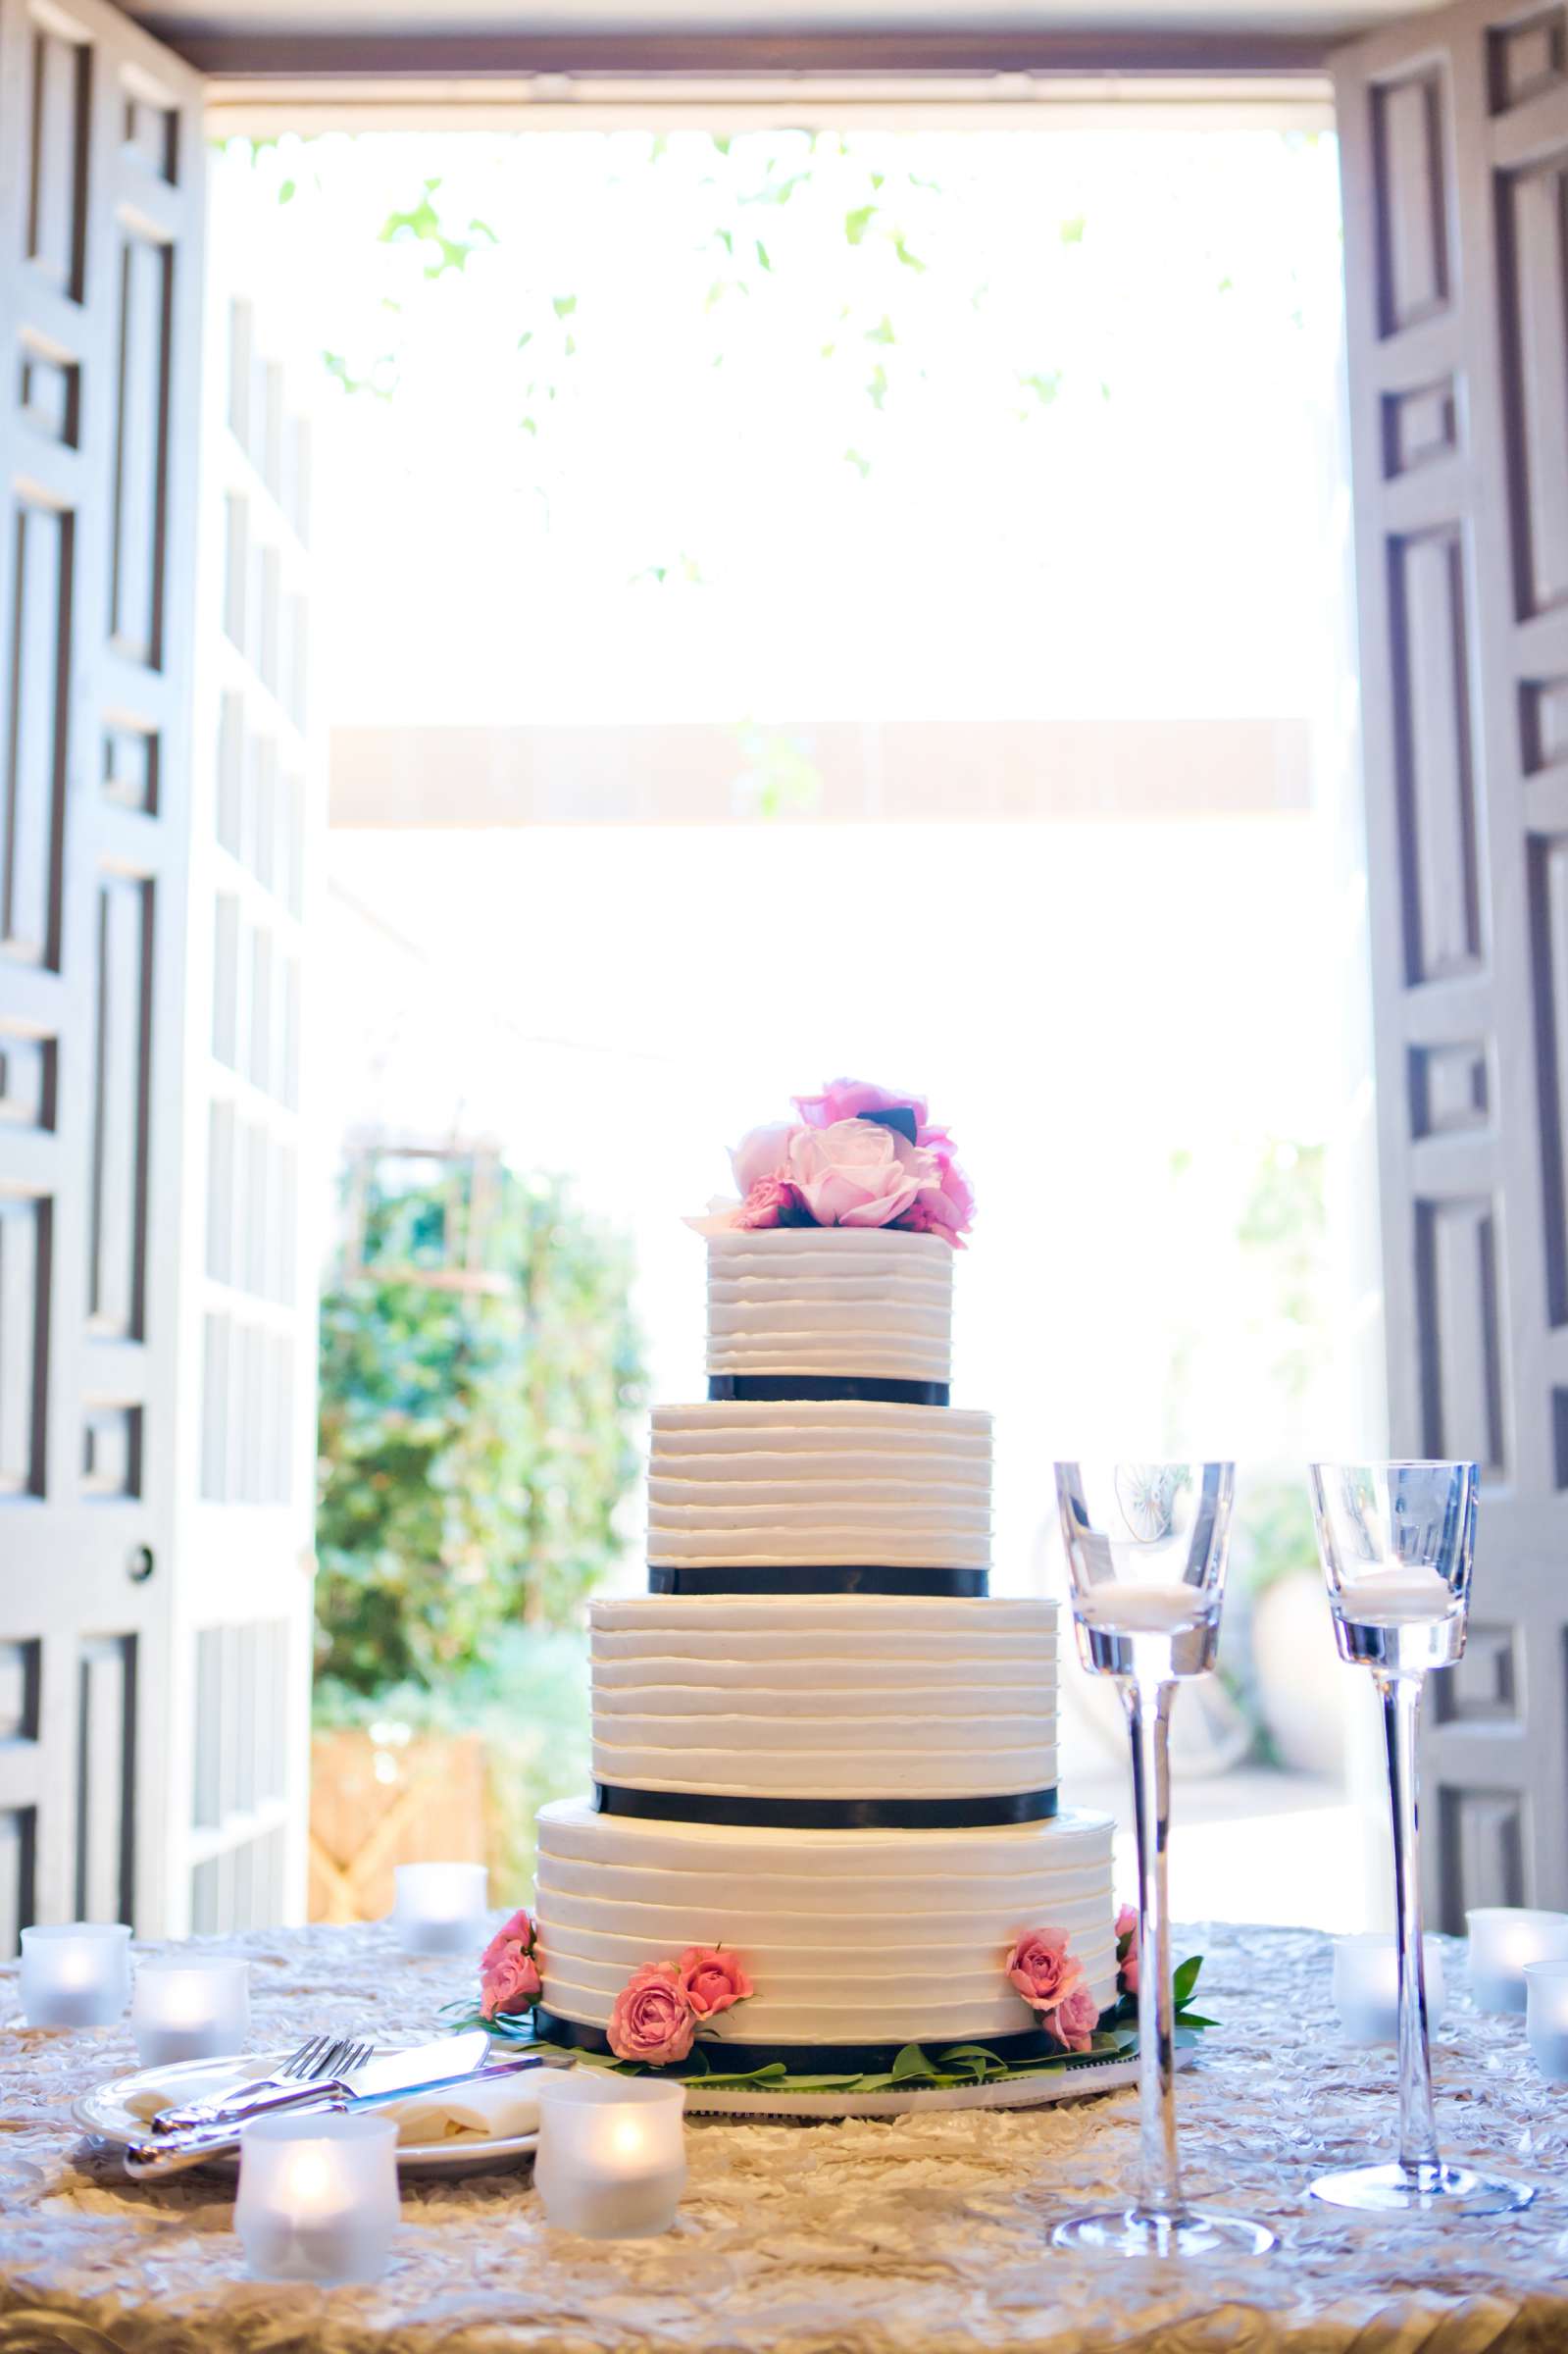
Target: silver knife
x,y
451,2055
159,2154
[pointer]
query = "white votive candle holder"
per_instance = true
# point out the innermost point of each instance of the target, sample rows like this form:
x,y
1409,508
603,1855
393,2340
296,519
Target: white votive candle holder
x,y
1547,2017
612,2161
317,2196
191,2007
1366,1986
1503,1939
75,1973
440,1908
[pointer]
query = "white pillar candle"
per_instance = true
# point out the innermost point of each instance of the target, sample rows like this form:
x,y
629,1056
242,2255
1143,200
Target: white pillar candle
x,y
1503,1938
191,2007
1547,2017
1366,1987
77,1975
317,2196
1129,1608
440,1908
1407,1594
611,2161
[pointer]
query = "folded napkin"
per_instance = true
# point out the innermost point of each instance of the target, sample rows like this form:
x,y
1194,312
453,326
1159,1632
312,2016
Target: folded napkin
x,y
493,2111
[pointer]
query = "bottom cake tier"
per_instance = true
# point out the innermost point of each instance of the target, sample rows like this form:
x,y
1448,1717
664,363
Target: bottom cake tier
x,y
852,1939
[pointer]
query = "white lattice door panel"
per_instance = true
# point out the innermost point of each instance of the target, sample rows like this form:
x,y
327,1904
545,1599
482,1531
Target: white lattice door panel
x,y
244,1662
101,170
1454,135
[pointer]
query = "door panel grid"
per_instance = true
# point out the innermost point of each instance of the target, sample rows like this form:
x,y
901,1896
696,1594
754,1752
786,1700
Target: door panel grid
x,y
1454,139
156,1297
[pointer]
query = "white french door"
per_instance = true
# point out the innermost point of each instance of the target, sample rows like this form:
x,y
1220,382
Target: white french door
x,y
155,1388
1454,135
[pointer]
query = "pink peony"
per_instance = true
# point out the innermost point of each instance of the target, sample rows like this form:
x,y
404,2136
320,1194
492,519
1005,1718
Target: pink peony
x,y
856,1173
1074,2020
761,1153
848,1099
772,1201
652,2020
712,1979
1042,1970
1127,1950
509,1976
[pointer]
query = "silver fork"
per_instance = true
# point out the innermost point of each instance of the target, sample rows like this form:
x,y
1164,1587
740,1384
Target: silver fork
x,y
322,2056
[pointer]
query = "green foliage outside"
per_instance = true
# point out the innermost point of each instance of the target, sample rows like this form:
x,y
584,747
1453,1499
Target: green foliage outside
x,y
475,1442
475,1447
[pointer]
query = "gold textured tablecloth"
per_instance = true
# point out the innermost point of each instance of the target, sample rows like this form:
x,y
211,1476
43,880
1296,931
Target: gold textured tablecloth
x,y
918,2233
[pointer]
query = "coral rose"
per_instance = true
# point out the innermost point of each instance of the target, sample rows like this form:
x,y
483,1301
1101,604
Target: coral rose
x,y
652,2020
857,1174
1074,2020
1042,1970
712,1979
509,1976
772,1201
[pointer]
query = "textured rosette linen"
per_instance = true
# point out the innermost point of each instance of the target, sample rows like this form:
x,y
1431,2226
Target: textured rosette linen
x,y
922,2234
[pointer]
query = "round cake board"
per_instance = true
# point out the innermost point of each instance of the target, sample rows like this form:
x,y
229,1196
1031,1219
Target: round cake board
x,y
824,2108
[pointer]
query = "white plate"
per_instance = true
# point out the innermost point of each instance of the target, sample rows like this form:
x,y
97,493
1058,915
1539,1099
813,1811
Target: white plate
x,y
107,2113
1033,2092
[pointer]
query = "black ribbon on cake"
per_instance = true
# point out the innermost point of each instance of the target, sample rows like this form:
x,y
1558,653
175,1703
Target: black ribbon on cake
x,y
979,1813
811,1578
813,1389
801,2059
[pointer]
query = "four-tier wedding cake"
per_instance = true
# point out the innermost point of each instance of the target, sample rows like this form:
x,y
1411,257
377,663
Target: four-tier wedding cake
x,y
825,1821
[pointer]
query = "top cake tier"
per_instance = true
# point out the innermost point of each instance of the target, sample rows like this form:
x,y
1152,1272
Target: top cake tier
x,y
820,1312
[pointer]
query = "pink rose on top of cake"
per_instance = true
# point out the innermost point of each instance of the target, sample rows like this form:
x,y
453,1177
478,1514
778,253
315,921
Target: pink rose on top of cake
x,y
860,1155
856,1173
853,1098
772,1201
713,1979
1042,1968
509,1976
761,1153
652,2019
1073,2020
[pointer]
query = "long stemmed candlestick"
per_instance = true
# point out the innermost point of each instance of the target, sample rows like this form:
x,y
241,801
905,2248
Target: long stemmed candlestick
x,y
1147,1547
1398,1542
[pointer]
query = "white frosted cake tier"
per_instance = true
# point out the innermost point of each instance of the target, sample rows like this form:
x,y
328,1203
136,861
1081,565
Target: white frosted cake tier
x,y
850,1937
845,1696
842,1481
842,1301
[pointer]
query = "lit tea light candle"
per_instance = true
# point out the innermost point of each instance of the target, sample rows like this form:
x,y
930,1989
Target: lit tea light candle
x,y
77,1975
317,2196
611,2161
440,1908
1503,1939
191,2007
1366,1987
1547,2017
